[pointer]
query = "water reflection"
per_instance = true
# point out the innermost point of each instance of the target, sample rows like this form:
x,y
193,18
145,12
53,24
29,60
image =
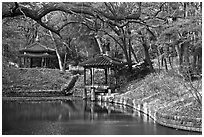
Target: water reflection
x,y
77,117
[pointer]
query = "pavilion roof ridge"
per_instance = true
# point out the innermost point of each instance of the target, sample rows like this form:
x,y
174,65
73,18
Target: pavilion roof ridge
x,y
40,44
102,60
37,46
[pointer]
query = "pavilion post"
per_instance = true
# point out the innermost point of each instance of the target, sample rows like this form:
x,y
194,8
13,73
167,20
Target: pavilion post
x,y
42,61
31,63
93,97
109,73
84,76
19,62
26,62
106,76
23,62
91,75
85,91
45,65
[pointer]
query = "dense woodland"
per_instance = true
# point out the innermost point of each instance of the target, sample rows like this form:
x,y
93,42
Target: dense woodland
x,y
165,32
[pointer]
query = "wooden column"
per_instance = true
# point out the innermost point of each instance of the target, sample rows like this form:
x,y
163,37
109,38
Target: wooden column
x,y
84,76
116,78
23,62
31,61
26,62
19,62
48,62
109,73
92,87
85,91
106,76
91,75
45,62
42,62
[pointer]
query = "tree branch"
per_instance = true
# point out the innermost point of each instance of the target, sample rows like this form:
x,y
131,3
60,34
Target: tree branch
x,y
160,9
75,22
110,9
49,28
120,18
112,37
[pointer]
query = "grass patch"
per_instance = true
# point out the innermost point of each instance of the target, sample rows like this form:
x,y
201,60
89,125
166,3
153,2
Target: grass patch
x,y
15,79
173,96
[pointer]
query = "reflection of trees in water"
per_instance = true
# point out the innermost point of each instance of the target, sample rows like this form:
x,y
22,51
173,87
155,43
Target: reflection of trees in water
x,y
70,110
33,110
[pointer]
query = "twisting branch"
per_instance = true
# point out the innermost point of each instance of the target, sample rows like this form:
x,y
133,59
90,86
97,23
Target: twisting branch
x,y
75,22
112,6
112,37
49,28
15,7
117,18
109,8
160,9
157,13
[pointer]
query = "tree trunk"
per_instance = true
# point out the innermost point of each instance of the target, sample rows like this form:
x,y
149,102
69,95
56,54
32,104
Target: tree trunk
x,y
129,61
159,56
132,50
65,60
179,54
57,52
197,58
129,44
170,59
99,44
165,64
186,54
147,57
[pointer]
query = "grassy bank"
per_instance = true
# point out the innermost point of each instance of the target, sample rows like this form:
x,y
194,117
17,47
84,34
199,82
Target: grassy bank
x,y
167,93
15,79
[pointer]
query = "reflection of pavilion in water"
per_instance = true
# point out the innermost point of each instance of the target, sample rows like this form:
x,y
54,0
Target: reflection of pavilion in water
x,y
76,117
73,110
104,110
62,117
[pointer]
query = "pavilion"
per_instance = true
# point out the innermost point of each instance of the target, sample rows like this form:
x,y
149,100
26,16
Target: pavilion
x,y
106,63
37,55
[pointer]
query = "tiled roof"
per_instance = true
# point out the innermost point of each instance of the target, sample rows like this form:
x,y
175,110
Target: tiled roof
x,y
36,47
102,61
37,55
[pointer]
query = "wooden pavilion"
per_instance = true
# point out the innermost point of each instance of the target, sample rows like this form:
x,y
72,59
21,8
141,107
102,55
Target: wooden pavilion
x,y
106,63
37,55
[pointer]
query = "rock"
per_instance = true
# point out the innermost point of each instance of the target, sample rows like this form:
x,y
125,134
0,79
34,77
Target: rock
x,y
67,88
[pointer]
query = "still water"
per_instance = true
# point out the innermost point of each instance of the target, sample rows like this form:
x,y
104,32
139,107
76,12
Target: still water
x,y
77,117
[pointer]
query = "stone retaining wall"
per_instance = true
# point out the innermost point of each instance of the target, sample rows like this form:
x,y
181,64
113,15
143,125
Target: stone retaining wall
x,y
178,122
33,93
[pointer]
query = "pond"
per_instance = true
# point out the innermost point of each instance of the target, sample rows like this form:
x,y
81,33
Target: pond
x,y
77,117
